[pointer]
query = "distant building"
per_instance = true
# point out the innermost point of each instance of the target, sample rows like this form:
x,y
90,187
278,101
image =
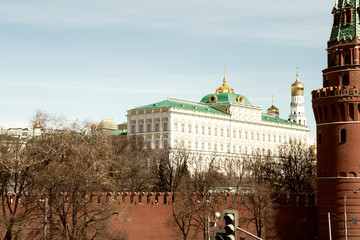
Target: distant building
x,y
223,123
22,133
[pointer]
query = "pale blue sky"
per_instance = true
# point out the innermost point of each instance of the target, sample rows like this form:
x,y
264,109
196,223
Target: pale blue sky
x,y
97,59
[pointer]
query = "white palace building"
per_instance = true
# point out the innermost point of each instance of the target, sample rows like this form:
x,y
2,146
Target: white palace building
x,y
223,124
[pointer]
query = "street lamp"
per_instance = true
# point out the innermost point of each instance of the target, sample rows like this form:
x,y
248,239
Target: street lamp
x,y
345,217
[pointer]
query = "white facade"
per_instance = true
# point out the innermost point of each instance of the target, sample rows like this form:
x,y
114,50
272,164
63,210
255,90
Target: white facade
x,y
224,130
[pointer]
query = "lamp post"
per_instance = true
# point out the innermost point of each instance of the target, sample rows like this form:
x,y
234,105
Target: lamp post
x,y
345,217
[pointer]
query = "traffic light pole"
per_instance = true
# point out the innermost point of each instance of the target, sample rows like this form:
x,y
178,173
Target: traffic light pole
x,y
250,234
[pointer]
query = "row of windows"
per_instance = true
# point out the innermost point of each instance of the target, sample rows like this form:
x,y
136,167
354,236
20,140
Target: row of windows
x,y
149,127
237,134
220,147
157,142
347,16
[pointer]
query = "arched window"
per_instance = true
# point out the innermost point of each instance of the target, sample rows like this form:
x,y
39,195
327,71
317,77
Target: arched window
x,y
332,61
342,112
347,59
351,111
348,16
343,136
345,80
326,113
333,112
320,114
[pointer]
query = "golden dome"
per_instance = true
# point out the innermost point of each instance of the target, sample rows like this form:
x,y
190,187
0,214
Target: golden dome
x,y
297,85
273,110
36,125
224,88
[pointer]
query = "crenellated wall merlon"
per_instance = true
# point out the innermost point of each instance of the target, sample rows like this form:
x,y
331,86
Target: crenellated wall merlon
x,y
335,91
161,199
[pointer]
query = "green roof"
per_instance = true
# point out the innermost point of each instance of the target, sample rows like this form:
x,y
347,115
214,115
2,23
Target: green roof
x,y
268,118
342,32
181,105
225,97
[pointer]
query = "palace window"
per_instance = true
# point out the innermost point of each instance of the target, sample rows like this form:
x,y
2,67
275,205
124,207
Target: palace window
x,y
141,128
157,143
133,128
203,129
157,127
165,143
189,128
209,130
221,132
175,127
183,127
148,125
196,129
165,126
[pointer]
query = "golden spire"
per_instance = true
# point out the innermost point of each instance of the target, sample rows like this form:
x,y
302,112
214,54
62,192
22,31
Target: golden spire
x,y
224,88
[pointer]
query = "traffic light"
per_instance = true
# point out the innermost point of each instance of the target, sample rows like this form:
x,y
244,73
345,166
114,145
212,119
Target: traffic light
x,y
230,223
230,220
220,234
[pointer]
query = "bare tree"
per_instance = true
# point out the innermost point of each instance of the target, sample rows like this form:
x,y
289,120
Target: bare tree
x,y
259,207
132,169
75,167
195,204
16,169
294,170
170,169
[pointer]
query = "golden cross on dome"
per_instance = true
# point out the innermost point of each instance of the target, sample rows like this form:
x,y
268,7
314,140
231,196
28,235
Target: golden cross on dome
x,y
297,74
224,65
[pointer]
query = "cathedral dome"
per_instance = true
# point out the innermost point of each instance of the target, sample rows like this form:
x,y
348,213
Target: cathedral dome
x,y
225,94
273,110
297,85
36,125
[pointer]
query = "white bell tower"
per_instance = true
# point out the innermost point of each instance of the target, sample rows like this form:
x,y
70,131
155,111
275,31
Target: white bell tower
x,y
297,107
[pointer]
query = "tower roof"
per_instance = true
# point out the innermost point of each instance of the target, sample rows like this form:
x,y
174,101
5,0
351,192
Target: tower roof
x,y
297,85
346,21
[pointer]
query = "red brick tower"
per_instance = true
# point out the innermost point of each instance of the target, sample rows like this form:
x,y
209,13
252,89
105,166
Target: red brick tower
x,y
337,112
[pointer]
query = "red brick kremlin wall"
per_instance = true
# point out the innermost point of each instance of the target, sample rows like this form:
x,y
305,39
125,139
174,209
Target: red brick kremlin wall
x,y
148,215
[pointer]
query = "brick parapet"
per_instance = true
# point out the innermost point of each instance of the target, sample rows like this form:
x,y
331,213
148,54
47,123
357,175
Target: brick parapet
x,y
160,199
335,91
